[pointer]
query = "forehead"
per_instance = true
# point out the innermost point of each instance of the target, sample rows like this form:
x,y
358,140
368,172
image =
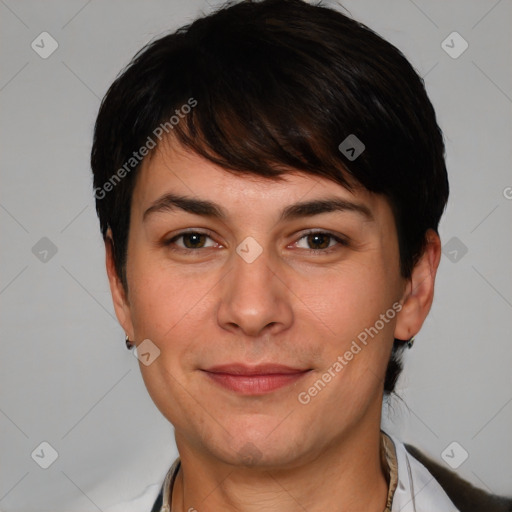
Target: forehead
x,y
171,168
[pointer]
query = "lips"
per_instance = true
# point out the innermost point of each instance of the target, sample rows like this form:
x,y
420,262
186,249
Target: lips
x,y
254,380
260,369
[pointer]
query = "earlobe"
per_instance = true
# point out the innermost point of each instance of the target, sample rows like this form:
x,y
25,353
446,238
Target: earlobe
x,y
119,297
419,293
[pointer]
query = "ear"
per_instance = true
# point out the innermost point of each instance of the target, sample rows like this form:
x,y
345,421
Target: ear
x,y
119,294
419,292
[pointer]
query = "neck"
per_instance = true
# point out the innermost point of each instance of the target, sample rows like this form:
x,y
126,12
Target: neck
x,y
347,476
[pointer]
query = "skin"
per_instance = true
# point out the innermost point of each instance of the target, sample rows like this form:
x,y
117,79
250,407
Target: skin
x,y
291,306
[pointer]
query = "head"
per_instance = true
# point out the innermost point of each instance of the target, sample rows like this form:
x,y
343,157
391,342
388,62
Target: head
x,y
221,129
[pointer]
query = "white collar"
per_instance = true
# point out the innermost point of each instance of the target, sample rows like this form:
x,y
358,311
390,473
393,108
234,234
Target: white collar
x,y
417,490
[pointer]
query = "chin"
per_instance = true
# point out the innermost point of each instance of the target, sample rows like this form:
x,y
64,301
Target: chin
x,y
254,447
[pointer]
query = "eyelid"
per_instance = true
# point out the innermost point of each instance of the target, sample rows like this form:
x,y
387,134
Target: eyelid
x,y
321,231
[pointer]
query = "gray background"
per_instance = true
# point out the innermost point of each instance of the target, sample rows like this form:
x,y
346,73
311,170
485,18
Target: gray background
x,y
66,377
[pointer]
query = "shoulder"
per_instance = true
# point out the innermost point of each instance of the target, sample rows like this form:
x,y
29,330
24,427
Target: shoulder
x,y
465,496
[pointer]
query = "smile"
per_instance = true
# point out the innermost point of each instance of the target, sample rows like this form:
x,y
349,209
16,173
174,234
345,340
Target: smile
x,y
256,380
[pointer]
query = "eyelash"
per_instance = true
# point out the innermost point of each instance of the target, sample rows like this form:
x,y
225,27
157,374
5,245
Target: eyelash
x,y
340,240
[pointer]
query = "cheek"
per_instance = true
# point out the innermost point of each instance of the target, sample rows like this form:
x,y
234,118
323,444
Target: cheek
x,y
161,295
344,311
344,301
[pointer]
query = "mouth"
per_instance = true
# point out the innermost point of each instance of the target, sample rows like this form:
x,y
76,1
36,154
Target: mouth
x,y
255,380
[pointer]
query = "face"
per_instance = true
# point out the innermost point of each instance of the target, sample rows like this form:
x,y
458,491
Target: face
x,y
252,278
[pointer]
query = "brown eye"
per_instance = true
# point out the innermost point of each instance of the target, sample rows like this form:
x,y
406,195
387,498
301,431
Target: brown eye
x,y
190,240
194,240
318,240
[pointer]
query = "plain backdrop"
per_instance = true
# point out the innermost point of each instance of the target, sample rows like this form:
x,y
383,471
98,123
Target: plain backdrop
x,y
66,377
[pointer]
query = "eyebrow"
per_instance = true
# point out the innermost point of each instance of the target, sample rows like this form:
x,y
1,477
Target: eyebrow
x,y
172,202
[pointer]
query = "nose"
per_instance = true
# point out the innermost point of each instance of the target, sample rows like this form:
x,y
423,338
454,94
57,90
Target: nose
x,y
255,300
